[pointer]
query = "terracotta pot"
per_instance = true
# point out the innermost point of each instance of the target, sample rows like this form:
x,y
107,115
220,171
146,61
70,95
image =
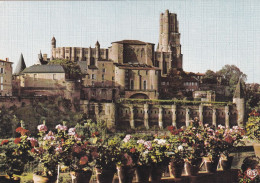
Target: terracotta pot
x,y
257,149
105,176
6,179
176,168
156,172
143,173
211,164
226,164
81,176
42,179
192,170
125,174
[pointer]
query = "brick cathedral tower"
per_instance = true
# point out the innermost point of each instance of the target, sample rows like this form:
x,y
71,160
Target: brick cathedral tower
x,y
169,38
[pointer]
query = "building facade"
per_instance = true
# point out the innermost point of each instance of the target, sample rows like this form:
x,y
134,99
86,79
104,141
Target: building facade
x,y
5,77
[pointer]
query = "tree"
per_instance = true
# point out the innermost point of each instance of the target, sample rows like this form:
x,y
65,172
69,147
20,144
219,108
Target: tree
x,y
210,77
231,74
71,68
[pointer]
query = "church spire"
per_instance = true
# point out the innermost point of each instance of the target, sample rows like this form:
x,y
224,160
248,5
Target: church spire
x,y
239,92
20,65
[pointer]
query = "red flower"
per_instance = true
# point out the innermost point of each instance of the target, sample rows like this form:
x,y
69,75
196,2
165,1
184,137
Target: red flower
x,y
19,129
94,134
33,150
256,114
170,128
22,131
4,142
17,140
132,150
77,149
83,160
229,139
94,154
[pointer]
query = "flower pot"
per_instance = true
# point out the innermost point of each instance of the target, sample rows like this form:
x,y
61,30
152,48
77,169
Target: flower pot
x,y
143,173
125,174
176,168
43,179
81,176
225,163
156,172
192,170
105,176
211,164
257,149
6,179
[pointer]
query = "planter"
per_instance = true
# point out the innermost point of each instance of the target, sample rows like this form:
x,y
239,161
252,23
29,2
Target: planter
x,y
226,163
191,169
143,173
156,172
176,168
211,164
125,174
105,176
43,179
81,176
257,149
6,179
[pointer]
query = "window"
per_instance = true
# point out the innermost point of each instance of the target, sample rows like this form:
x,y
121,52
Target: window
x,y
94,92
147,72
113,78
92,76
54,77
1,79
103,76
2,70
1,87
103,70
131,84
92,83
144,85
35,76
102,84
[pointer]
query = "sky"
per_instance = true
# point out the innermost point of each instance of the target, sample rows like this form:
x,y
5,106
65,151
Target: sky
x,y
213,32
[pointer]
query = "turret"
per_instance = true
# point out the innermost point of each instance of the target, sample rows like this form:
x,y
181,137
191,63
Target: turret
x,y
97,46
20,66
239,100
53,42
53,46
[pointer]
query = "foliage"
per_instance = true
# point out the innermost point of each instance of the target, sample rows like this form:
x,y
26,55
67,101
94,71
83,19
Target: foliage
x,y
231,74
250,164
15,153
72,69
210,77
253,126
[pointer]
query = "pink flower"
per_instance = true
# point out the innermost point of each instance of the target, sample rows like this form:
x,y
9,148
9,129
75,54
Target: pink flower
x,y
42,128
49,136
61,127
33,141
127,138
148,145
58,149
140,141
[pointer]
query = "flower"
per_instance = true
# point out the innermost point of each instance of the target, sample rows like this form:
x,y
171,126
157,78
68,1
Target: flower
x,y
4,142
83,160
140,141
17,140
180,148
132,150
58,149
49,136
33,141
61,127
148,145
42,128
72,131
127,138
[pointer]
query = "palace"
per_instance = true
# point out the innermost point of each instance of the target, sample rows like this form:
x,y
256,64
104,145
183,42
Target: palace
x,y
129,69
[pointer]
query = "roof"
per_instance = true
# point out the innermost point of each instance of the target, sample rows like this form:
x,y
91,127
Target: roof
x,y
20,65
5,61
132,42
83,67
136,66
239,92
44,69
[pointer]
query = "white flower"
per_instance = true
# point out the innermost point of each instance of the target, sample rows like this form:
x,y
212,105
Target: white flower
x,y
148,145
140,141
221,127
127,138
58,149
42,128
180,148
61,127
161,142
72,131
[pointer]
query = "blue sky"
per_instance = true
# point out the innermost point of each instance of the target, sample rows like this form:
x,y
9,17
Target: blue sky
x,y
213,32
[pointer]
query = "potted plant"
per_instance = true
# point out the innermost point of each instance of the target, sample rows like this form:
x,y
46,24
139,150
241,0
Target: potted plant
x,y
230,139
128,161
78,155
15,154
253,130
48,152
177,151
107,157
194,147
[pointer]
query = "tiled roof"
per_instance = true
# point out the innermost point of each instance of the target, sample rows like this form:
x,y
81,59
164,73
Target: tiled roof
x,y
44,69
83,67
132,42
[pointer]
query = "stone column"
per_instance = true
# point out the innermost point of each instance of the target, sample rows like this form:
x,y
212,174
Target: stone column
x,y
227,116
160,117
146,117
131,119
214,117
110,114
187,116
174,117
201,113
96,110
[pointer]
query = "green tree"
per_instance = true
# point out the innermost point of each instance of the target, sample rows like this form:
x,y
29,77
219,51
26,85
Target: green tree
x,y
210,77
71,68
231,74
